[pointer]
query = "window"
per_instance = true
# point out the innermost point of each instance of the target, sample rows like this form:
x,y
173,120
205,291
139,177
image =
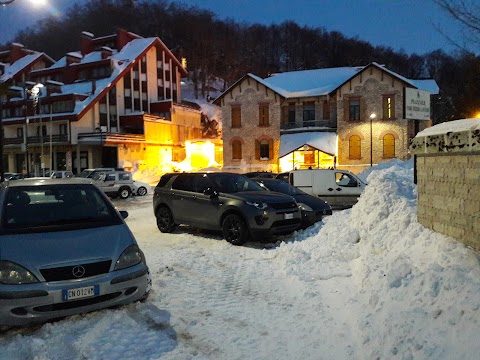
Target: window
x,y
263,149
236,149
308,113
326,110
19,132
263,115
388,146
291,114
63,129
43,130
354,146
354,109
345,180
184,182
388,107
236,117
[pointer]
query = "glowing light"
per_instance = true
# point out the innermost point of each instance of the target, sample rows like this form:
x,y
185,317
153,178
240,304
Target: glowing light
x,y
477,115
200,154
39,2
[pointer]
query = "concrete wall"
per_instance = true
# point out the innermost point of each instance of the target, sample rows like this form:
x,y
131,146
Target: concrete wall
x,y
448,179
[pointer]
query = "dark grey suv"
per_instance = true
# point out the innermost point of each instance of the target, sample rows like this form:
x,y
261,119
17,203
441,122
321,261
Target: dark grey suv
x,y
229,202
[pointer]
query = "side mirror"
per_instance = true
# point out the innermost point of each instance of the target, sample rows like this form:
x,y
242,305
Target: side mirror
x,y
210,192
124,213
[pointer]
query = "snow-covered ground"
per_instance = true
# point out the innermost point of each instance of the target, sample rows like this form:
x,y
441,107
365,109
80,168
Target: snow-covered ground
x,y
367,283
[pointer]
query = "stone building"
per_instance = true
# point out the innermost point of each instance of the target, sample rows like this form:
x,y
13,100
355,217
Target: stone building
x,y
348,117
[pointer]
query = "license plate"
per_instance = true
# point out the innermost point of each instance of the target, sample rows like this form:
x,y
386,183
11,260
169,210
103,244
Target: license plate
x,y
288,216
80,293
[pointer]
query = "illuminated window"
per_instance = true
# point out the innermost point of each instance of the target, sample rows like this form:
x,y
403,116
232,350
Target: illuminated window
x,y
388,107
354,109
355,148
263,115
264,150
236,149
388,146
236,117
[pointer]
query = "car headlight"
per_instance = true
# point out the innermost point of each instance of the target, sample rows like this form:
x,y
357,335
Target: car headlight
x,y
14,274
304,207
130,257
258,205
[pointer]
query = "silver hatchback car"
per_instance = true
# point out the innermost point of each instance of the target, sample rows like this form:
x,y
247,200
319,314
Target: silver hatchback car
x,y
64,250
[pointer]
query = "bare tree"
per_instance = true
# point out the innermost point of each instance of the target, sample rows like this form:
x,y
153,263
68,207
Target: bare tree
x,y
467,14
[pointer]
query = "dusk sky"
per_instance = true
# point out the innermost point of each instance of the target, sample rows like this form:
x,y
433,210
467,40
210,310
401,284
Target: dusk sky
x,y
410,25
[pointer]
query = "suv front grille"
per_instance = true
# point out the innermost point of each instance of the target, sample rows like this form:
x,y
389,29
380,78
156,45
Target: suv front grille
x,y
283,205
66,272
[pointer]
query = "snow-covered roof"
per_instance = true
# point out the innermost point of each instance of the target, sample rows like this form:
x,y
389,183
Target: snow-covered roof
x,y
451,126
429,85
12,69
311,82
323,141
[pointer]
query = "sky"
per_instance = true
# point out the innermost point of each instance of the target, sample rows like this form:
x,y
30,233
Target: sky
x,y
365,283
408,25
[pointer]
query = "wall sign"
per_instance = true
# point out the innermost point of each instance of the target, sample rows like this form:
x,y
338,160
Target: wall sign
x,y
417,104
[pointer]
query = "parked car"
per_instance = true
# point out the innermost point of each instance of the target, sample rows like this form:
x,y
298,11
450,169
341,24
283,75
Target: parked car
x,y
232,203
64,250
340,188
115,183
140,188
90,173
313,208
260,174
61,174
12,176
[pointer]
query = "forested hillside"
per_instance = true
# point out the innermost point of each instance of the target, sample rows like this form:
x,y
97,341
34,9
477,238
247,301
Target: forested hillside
x,y
227,49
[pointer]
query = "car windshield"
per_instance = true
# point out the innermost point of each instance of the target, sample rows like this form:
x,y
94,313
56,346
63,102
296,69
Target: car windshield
x,y
233,183
282,187
85,173
58,206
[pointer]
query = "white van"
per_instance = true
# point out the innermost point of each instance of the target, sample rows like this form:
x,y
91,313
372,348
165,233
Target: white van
x,y
340,188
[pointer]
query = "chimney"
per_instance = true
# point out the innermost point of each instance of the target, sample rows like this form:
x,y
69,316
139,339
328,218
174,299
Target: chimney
x,y
73,58
86,42
16,52
122,38
106,52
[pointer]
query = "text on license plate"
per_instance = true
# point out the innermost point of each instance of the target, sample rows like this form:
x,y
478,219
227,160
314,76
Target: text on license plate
x,y
80,293
288,216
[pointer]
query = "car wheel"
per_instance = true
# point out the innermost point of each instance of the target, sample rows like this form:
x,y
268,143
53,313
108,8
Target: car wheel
x,y
124,193
235,230
165,220
142,191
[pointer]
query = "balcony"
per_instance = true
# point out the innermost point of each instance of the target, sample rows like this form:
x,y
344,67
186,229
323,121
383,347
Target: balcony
x,y
308,124
37,140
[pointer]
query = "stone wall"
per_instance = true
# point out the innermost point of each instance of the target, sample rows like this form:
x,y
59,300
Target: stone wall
x,y
448,180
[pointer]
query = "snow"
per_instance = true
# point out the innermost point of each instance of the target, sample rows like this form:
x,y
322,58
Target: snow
x,y
323,141
366,283
451,126
11,70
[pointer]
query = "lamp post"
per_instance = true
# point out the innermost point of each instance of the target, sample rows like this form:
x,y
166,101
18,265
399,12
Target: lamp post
x,y
372,116
35,92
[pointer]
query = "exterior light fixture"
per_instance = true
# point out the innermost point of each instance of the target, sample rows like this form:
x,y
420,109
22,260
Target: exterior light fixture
x,y
372,116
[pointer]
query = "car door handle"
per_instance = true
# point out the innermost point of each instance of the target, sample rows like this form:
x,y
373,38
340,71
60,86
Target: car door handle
x,y
330,189
338,189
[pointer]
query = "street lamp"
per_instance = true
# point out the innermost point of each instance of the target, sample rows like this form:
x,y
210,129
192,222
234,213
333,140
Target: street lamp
x,y
372,116
34,91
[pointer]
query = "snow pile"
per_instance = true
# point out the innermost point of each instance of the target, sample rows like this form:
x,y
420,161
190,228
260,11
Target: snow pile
x,y
420,291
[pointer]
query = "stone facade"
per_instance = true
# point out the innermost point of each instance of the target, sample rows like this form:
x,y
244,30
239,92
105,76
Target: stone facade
x,y
448,179
370,86
248,94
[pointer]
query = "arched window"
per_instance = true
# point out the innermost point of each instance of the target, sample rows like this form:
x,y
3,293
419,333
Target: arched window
x,y
354,147
236,149
388,146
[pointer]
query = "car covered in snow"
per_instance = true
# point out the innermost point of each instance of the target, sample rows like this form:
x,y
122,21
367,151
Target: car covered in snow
x,y
64,250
